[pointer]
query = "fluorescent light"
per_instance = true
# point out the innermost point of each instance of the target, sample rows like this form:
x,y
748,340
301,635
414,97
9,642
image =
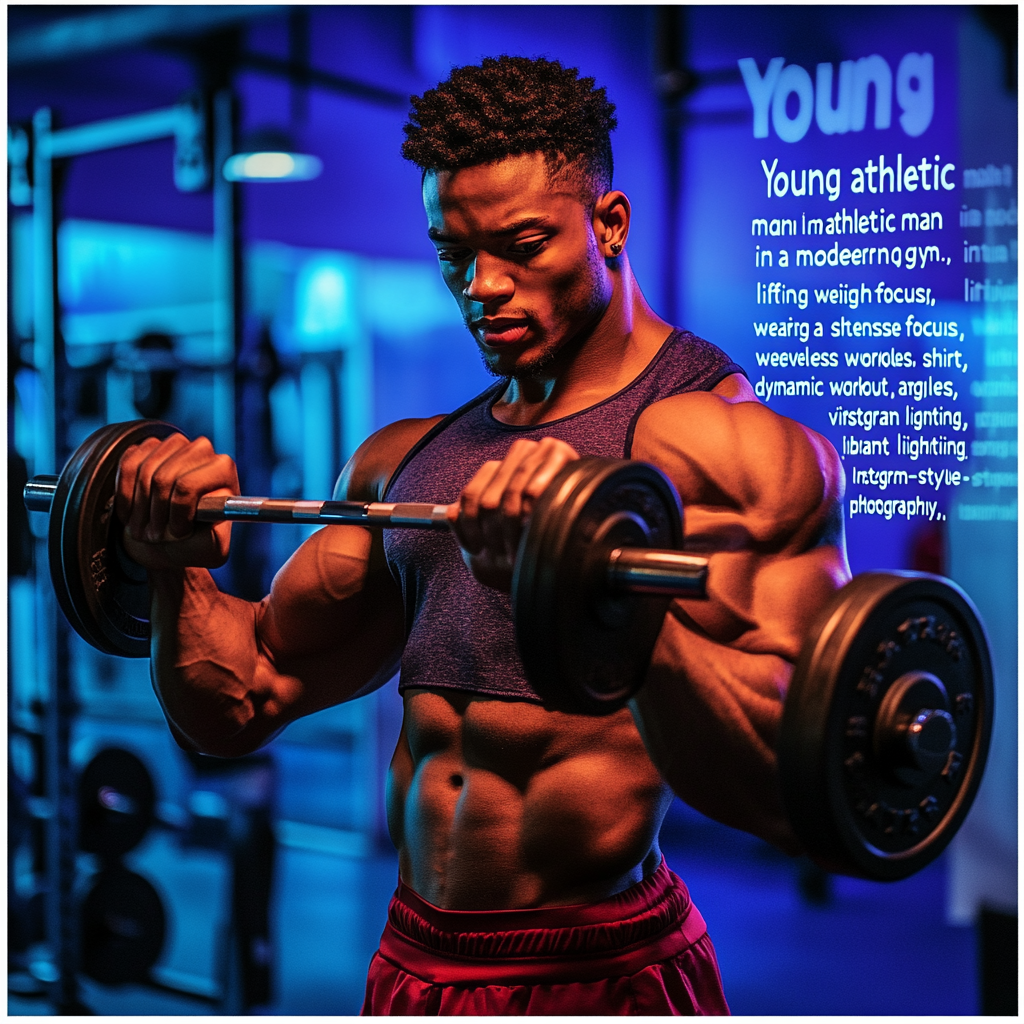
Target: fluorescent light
x,y
272,166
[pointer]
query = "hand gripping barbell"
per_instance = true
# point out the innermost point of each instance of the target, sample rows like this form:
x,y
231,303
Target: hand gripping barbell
x,y
887,721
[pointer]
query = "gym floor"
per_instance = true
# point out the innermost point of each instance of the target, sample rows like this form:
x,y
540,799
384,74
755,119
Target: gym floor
x,y
867,949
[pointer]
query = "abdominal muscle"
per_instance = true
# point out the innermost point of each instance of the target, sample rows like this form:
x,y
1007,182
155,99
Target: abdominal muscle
x,y
502,805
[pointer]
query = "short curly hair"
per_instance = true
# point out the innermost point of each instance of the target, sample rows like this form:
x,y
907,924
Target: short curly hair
x,y
506,106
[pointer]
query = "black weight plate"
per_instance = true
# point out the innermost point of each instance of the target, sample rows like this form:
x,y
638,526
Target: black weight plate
x,y
116,802
854,810
122,928
105,597
584,649
58,507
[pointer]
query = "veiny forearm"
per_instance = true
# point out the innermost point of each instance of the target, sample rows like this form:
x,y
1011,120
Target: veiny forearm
x,y
710,716
231,673
219,690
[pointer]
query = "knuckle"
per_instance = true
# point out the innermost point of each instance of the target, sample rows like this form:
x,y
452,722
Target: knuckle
x,y
183,492
132,459
163,480
149,464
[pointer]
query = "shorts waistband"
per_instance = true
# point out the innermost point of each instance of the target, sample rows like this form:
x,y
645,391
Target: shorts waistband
x,y
645,924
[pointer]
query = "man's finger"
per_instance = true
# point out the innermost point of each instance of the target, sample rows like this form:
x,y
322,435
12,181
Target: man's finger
x,y
219,477
554,461
138,522
127,470
207,547
501,494
534,475
196,455
466,522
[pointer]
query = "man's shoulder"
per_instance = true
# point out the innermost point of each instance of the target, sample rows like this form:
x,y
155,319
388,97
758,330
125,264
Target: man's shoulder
x,y
367,473
721,450
718,419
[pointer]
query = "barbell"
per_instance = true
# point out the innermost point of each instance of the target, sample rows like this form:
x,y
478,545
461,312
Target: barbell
x,y
887,722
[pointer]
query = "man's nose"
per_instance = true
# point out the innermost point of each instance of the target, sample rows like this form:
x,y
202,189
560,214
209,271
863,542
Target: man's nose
x,y
489,283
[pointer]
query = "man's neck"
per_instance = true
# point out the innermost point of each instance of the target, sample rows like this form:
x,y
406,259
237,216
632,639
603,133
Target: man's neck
x,y
605,359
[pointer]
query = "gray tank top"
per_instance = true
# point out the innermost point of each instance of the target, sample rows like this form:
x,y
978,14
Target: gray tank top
x,y
459,633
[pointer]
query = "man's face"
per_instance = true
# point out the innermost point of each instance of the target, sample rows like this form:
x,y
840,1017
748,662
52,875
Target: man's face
x,y
518,252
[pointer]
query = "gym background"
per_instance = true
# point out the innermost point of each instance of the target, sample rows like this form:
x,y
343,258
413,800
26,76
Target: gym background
x,y
287,319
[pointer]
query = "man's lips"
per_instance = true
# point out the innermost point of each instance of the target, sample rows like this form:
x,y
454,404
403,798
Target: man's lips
x,y
500,331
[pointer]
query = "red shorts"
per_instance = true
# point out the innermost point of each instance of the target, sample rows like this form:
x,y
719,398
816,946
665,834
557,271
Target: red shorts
x,y
643,951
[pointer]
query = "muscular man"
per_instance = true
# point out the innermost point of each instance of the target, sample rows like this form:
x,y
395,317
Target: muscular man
x,y
530,874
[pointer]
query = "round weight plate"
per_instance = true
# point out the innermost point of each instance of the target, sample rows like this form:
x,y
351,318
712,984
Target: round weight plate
x,y
123,928
116,802
104,596
886,647
586,650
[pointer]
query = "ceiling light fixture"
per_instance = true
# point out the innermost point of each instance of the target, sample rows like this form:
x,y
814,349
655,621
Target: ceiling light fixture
x,y
272,165
270,153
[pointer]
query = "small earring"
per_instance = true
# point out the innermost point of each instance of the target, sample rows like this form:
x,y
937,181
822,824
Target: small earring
x,y
616,248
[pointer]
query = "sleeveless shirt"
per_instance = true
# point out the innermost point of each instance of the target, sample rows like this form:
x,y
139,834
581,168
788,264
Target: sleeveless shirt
x,y
459,633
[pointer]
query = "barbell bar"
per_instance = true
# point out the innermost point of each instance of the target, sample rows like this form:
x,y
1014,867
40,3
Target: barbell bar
x,y
887,722
639,570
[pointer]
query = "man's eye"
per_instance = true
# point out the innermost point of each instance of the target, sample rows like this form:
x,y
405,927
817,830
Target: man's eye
x,y
453,255
528,248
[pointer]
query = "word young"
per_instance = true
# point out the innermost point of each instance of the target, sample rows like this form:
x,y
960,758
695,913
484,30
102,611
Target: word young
x,y
871,177
915,93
